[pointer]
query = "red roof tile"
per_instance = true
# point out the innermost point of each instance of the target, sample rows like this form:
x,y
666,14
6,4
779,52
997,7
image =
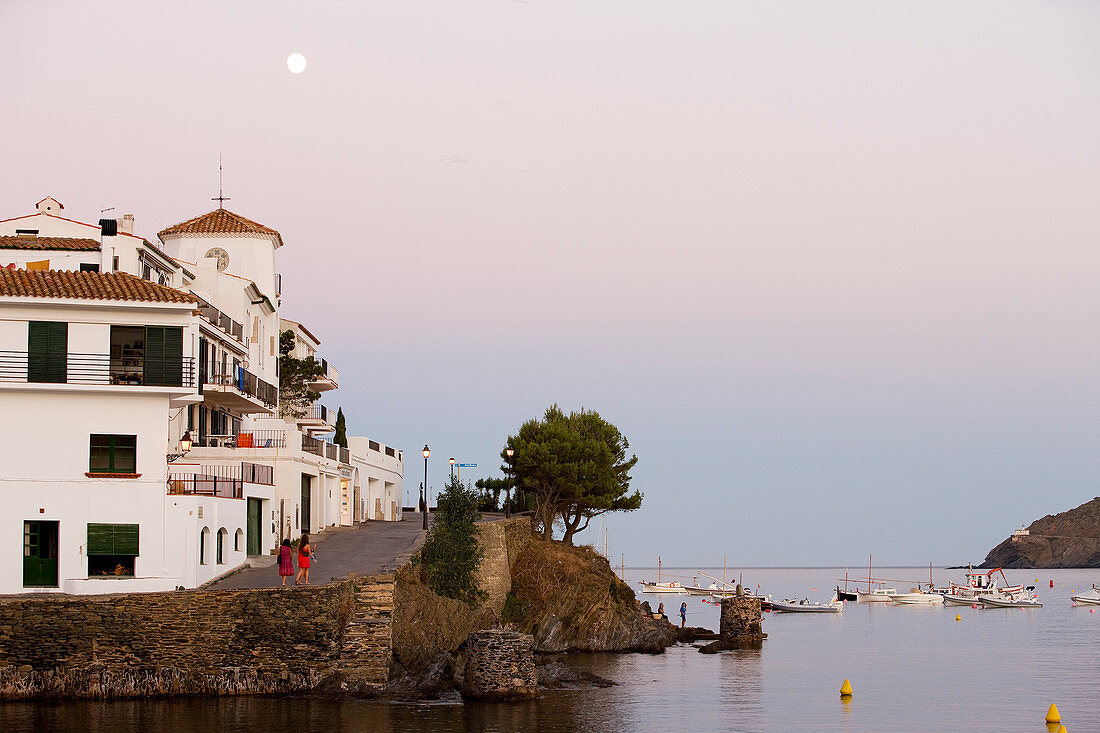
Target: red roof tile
x,y
218,221
86,285
66,243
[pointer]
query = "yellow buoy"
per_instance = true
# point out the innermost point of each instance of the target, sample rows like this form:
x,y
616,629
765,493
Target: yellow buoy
x,y
1053,716
1062,729
846,690
958,617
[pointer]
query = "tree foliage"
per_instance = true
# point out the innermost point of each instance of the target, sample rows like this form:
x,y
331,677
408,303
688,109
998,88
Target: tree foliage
x,y
491,489
451,554
574,466
341,436
295,376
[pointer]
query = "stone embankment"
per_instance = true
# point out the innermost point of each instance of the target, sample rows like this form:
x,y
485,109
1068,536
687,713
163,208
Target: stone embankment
x,y
500,665
199,642
1067,540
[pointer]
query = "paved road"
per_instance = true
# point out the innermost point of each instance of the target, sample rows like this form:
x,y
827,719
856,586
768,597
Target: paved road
x,y
366,549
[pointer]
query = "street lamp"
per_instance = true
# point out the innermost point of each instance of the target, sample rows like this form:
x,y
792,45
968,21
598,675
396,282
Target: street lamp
x,y
185,445
452,469
508,489
424,488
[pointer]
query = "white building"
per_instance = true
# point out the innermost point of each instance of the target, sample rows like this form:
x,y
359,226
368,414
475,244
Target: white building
x,y
251,477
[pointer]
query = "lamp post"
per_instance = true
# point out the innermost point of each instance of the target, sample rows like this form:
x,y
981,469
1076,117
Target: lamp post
x,y
508,490
185,445
424,488
452,461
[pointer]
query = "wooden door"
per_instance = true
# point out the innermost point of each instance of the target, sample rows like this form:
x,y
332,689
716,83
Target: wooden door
x,y
40,554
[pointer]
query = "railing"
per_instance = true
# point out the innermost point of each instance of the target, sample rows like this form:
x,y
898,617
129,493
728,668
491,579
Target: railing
x,y
17,366
330,371
318,412
223,481
221,320
314,446
344,455
261,439
242,379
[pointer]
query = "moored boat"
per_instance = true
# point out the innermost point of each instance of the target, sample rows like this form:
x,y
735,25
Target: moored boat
x,y
916,597
804,606
1020,599
878,595
1091,598
660,586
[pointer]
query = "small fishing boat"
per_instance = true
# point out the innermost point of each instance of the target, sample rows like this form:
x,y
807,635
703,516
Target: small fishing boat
x,y
977,584
1020,599
659,586
846,595
1091,598
878,595
804,606
916,597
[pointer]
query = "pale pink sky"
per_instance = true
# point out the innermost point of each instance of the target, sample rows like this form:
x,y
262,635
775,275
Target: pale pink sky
x,y
830,266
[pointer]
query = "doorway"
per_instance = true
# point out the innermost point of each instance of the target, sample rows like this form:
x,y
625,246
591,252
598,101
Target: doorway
x,y
307,489
252,539
40,554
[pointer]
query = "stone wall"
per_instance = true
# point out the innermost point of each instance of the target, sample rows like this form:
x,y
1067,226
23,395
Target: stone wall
x,y
500,665
740,619
200,642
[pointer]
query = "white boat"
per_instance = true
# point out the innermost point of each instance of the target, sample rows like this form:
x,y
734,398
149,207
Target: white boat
x,y
1091,598
977,584
659,586
1020,599
804,606
916,596
878,595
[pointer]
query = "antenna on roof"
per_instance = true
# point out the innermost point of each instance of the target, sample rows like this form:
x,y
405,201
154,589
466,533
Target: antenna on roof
x,y
220,198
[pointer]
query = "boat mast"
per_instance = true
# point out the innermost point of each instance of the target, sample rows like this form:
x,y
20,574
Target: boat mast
x,y
658,568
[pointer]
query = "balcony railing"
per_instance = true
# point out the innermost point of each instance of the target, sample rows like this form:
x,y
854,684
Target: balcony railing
x,y
73,368
222,481
330,371
221,320
344,455
261,439
226,375
314,446
318,413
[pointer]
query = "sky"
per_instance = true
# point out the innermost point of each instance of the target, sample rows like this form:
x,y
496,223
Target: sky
x,y
830,267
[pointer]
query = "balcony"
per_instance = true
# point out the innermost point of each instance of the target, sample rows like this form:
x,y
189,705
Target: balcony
x,y
221,321
245,439
97,369
329,379
317,419
226,482
324,449
238,389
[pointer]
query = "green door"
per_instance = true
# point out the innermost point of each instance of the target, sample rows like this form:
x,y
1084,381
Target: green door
x,y
253,539
40,554
307,486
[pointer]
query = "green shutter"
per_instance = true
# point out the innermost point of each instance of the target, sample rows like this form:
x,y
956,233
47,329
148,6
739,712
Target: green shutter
x,y
154,355
164,356
173,356
112,539
47,351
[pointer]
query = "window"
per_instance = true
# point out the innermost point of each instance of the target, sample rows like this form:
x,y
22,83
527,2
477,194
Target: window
x,y
47,347
237,537
113,454
114,263
204,540
222,534
89,267
112,549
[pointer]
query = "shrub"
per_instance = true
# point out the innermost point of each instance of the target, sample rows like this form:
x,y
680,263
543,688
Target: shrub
x,y
513,610
451,555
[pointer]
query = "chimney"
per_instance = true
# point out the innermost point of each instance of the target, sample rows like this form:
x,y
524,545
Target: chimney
x,y
126,224
108,230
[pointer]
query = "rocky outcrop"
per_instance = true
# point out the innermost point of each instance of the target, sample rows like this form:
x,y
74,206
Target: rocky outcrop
x,y
569,599
1067,540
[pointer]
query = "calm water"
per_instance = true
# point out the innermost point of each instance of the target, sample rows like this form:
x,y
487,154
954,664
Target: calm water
x,y
912,669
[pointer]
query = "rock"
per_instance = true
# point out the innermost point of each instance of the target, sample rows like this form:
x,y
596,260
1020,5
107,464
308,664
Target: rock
x,y
691,634
1067,540
554,673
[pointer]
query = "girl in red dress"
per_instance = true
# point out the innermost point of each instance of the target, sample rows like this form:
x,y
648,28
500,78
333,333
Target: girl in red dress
x,y
286,561
305,554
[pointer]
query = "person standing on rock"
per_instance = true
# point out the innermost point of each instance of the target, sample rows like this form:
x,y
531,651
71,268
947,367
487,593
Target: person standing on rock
x,y
305,555
286,561
683,614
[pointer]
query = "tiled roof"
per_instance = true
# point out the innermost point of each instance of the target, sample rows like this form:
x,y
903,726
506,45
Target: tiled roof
x,y
67,243
86,285
218,221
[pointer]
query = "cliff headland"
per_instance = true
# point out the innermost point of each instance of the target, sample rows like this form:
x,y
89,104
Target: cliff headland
x,y
1067,540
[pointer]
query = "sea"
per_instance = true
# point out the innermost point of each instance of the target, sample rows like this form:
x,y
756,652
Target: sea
x,y
912,668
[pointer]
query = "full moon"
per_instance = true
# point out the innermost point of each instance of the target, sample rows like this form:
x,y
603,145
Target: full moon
x,y
296,62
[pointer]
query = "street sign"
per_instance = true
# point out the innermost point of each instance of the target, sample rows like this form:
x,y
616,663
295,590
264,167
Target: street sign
x,y
467,465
